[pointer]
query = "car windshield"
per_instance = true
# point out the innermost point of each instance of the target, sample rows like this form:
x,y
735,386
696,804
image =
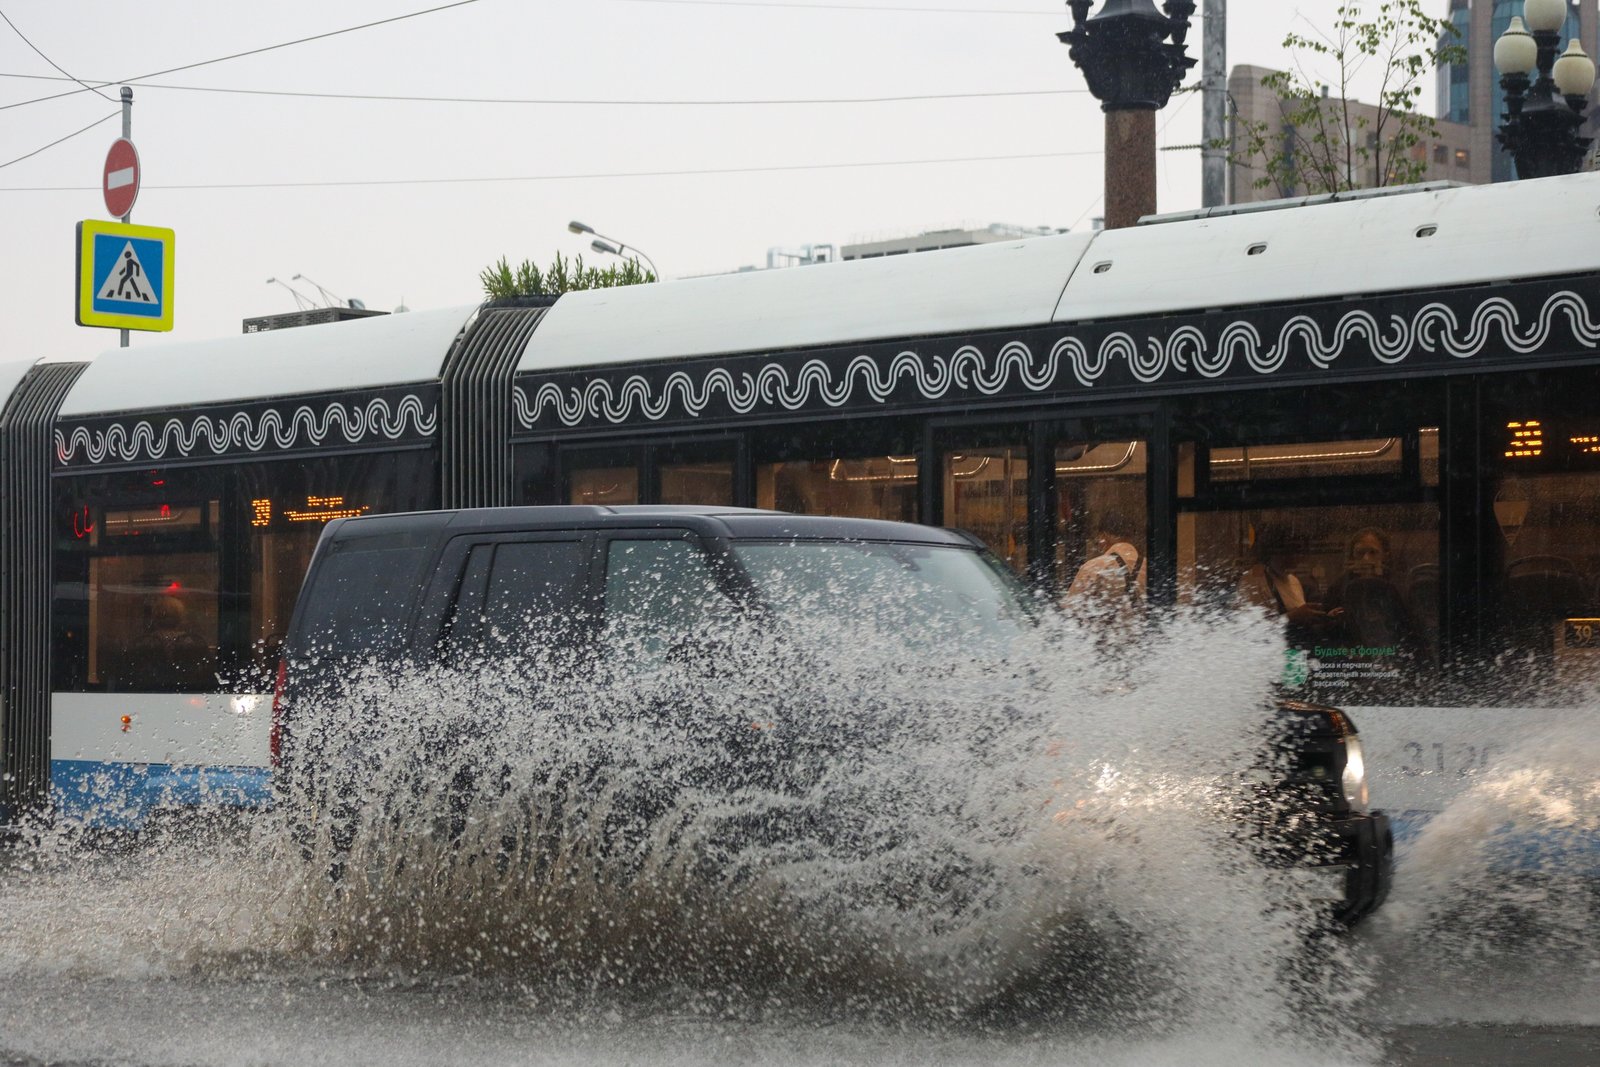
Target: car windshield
x,y
917,592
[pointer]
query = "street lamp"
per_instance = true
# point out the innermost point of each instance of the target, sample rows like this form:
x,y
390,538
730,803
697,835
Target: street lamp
x,y
610,246
1540,133
302,302
1124,53
1133,57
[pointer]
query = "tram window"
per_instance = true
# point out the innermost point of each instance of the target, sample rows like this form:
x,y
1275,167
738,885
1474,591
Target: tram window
x,y
137,595
1428,449
697,483
1311,459
876,487
283,507
153,622
605,486
1356,587
1546,593
1099,486
986,493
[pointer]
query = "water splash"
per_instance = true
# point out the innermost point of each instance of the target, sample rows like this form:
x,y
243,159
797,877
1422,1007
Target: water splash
x,y
1496,912
845,824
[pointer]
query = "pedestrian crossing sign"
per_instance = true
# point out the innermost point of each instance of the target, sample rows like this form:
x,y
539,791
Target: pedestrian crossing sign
x,y
124,276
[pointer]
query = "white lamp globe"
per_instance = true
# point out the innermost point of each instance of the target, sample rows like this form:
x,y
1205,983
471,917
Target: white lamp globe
x,y
1574,71
1545,16
1515,52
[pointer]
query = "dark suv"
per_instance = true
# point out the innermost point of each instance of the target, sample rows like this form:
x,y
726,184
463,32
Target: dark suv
x,y
431,587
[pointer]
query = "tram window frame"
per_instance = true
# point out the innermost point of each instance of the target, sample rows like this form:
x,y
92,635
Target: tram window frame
x,y
869,439
1423,663
410,477
83,649
646,458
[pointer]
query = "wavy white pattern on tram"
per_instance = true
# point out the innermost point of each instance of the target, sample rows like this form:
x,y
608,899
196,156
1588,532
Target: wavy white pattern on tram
x,y
245,432
1433,328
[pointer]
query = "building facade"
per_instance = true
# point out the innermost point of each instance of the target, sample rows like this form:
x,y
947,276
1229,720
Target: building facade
x,y
1469,93
1468,101
1452,155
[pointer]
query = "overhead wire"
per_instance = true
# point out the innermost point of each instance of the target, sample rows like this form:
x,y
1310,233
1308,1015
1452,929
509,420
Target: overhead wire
x,y
47,59
557,101
252,51
783,4
575,177
60,139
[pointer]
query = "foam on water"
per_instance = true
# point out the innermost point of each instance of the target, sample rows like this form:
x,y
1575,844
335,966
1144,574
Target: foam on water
x,y
839,842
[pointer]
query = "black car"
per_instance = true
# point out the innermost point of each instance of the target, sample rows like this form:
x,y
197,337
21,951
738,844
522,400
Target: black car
x,y
466,586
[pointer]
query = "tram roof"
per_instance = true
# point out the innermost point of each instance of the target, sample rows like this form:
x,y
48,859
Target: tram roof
x,y
1480,233
10,375
981,287
1335,249
361,353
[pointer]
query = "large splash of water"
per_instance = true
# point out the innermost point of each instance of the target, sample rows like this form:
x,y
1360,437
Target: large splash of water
x,y
845,823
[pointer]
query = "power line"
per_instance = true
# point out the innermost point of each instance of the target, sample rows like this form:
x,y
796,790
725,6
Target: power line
x,y
572,177
851,7
68,137
553,102
255,51
47,59
1197,16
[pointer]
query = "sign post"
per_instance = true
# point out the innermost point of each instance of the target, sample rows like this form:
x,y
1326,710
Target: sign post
x,y
126,214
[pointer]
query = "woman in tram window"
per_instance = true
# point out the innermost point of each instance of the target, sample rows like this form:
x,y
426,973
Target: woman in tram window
x,y
1364,601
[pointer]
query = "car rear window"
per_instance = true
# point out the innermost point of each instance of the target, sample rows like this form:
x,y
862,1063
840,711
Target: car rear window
x,y
361,595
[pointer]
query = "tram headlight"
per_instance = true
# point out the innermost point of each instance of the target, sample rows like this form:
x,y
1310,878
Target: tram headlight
x,y
1354,778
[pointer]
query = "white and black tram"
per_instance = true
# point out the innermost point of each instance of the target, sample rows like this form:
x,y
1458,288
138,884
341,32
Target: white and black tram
x,y
1378,416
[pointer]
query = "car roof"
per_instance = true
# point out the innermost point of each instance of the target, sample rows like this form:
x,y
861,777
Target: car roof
x,y
730,522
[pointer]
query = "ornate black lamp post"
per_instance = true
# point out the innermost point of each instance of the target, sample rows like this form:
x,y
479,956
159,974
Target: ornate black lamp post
x,y
1540,132
1132,56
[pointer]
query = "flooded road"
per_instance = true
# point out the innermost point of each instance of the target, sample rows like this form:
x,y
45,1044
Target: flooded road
x,y
1025,873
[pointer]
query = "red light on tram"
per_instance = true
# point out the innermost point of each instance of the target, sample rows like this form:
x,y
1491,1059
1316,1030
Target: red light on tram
x,y
174,587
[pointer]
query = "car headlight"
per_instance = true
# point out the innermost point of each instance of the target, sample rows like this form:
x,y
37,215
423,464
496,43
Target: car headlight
x,y
1354,779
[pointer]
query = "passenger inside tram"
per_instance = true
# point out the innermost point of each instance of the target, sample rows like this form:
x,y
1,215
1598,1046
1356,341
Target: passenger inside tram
x,y
1364,602
1108,592
1271,586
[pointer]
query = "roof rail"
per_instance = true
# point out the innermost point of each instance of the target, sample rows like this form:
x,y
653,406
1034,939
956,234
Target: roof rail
x,y
1299,201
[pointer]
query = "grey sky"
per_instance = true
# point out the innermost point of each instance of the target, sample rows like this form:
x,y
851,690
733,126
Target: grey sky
x,y
425,243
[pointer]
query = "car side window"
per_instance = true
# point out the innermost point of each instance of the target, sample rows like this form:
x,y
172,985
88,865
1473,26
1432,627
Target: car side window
x,y
517,597
660,595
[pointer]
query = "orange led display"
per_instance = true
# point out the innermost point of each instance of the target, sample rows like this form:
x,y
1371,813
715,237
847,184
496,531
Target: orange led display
x,y
1527,439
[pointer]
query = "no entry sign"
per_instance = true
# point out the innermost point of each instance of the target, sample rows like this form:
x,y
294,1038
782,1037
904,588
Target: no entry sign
x,y
121,180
